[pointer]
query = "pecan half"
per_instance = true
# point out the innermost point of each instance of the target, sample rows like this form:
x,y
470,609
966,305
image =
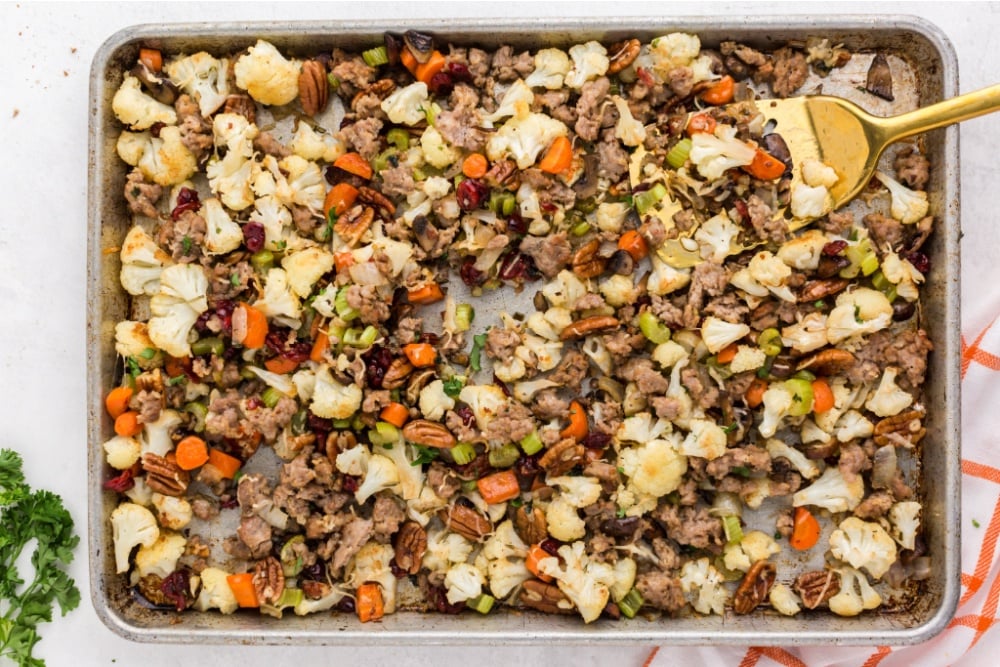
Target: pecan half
x,y
586,262
500,174
466,521
395,376
814,290
429,434
163,475
352,224
544,597
530,524
816,587
410,545
754,587
562,457
149,381
338,442
589,325
268,580
622,54
904,429
243,105
830,361
376,199
314,89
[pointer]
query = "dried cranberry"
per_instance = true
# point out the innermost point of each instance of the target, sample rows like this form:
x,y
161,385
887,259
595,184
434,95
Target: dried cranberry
x,y
548,206
121,483
550,546
517,225
467,415
318,423
187,200
470,275
438,599
397,571
645,76
346,604
527,466
596,440
834,248
228,503
474,469
176,587
314,572
254,403
253,236
351,483
441,84
277,342
516,266
919,260
458,71
223,310
377,362
470,194
743,210
155,128
503,386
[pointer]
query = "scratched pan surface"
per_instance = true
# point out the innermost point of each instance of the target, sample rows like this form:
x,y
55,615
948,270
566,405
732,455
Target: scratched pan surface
x,y
924,70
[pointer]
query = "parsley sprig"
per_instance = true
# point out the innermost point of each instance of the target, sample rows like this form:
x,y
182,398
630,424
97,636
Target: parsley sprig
x,y
27,515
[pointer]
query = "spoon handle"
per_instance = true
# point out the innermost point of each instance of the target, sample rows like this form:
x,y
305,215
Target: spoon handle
x,y
947,112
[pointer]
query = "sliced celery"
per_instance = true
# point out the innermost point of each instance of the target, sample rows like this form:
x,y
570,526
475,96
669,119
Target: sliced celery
x,y
463,453
504,456
678,155
271,396
482,603
769,341
652,328
531,443
631,603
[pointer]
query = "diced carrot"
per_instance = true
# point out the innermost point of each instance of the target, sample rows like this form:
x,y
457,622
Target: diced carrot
x,y
499,487
535,555
227,465
421,355
342,261
353,163
755,393
152,59
721,92
426,71
558,156
765,166
822,396
368,602
320,346
701,122
425,294
805,530
634,244
475,165
191,452
340,198
727,354
242,587
578,427
256,332
127,424
408,59
116,402
281,365
395,413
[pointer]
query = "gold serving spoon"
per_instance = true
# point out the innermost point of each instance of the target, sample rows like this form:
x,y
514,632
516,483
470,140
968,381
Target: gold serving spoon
x,y
840,134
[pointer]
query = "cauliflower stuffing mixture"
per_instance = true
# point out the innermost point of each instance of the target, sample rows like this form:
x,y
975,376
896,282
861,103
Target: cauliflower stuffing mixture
x,y
310,242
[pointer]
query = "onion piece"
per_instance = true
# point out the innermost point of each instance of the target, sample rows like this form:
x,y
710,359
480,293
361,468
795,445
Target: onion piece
x,y
885,467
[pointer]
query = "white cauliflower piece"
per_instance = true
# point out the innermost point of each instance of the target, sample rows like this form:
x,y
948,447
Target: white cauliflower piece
x,y
373,563
577,491
411,477
704,586
590,61
805,466
903,275
668,354
718,334
551,65
706,440
278,300
164,159
275,219
676,49
434,402
267,76
563,521
908,206
784,600
806,335
625,571
444,549
160,557
142,263
816,173
405,106
524,391
619,290
215,592
231,177
715,236
121,452
811,432
676,390
203,78
305,606
509,370
630,131
641,428
156,436
222,233
132,340
304,267
742,280
294,180
524,137
888,399
173,512
714,154
502,559
564,290
547,353
832,491
137,109
438,152
309,144
768,270
860,311
905,518
131,525
853,425
610,216
463,582
849,602
485,401
585,582
140,493
235,132
353,461
332,400
516,101
654,468
176,307
803,252
754,546
810,202
748,358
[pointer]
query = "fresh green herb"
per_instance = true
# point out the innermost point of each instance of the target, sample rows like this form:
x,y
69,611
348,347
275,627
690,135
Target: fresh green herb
x,y
31,516
778,535
478,342
732,427
857,315
820,304
186,244
742,471
620,513
975,523
234,279
621,470
453,386
424,455
516,502
148,353
174,381
133,366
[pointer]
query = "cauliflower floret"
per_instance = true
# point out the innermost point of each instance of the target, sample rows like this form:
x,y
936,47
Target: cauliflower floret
x,y
380,473
668,354
628,129
444,549
215,592
164,159
405,106
223,234
803,252
564,290
463,582
903,275
754,546
140,493
713,154
905,518
545,354
676,49
485,401
309,144
434,402
203,77
173,513
718,334
810,202
807,335
908,206
748,358
706,440
618,290
509,370
160,557
411,477
861,311
132,340
156,436
625,571
122,452
231,179
438,152
332,400
769,271
353,461
275,219
585,582
131,525
176,307
294,180
784,600
142,263
524,391
278,299
305,267
523,137
306,606
267,76
655,467
817,173
577,491
715,236
642,428
373,563
832,491
563,521
610,216
137,109
853,425
516,101
704,586
676,391
806,467
848,602
502,559
888,399
590,61
551,65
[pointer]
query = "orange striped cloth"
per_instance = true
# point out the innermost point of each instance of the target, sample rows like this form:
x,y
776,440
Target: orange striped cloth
x,y
969,640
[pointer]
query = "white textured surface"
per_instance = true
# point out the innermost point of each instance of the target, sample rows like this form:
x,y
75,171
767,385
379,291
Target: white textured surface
x,y
45,54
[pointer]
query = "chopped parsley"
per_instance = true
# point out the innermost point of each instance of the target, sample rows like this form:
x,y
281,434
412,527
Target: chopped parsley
x,y
234,279
133,366
742,471
732,427
174,381
425,455
975,523
453,386
186,243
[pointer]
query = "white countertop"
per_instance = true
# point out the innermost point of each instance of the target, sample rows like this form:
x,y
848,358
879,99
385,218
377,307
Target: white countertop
x,y
45,56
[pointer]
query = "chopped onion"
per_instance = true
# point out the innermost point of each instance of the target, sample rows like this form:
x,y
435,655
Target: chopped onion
x,y
282,383
366,273
727,504
884,467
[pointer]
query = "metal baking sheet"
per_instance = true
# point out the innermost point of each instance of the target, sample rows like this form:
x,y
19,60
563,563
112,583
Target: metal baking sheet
x,y
919,45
